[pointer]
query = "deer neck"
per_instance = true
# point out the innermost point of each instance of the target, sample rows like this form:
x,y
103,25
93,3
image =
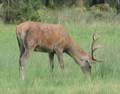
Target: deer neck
x,y
78,53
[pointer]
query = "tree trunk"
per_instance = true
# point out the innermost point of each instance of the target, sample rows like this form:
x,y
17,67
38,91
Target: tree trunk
x,y
49,3
118,6
0,1
94,2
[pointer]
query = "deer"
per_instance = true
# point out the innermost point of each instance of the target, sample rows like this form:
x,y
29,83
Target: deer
x,y
52,39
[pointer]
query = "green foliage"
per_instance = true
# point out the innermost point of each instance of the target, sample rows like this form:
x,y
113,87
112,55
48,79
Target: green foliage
x,y
14,10
22,10
111,2
28,12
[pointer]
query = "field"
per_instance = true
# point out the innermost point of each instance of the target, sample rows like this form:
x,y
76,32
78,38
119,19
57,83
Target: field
x,y
105,78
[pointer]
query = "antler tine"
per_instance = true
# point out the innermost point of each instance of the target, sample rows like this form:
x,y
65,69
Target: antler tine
x,y
95,37
93,42
94,48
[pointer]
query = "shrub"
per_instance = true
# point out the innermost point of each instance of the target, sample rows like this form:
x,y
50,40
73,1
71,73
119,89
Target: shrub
x,y
15,10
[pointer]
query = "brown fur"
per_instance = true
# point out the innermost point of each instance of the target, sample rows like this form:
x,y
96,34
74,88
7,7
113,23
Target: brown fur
x,y
50,38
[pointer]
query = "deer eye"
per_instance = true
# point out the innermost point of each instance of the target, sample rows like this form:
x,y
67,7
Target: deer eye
x,y
86,61
82,59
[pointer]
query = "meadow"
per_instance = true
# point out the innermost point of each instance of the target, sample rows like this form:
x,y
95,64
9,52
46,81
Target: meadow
x,y
105,77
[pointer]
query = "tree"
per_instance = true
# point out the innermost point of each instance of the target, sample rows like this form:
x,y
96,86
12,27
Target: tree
x,y
49,3
9,10
118,6
94,2
14,10
0,1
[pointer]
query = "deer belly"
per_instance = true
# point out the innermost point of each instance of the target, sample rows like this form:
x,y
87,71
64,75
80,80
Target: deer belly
x,y
43,49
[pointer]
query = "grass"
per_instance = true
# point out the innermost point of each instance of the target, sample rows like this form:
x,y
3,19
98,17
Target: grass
x,y
105,76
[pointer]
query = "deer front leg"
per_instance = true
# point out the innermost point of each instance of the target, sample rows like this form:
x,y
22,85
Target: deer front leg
x,y
51,57
60,59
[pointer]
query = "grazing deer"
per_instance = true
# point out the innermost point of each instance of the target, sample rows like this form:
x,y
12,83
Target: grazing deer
x,y
50,38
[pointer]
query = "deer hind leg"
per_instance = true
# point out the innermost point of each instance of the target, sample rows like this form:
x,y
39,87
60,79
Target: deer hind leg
x,y
21,46
60,59
51,58
23,60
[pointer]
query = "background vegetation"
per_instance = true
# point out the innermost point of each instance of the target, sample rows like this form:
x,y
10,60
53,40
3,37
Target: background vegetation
x,y
22,10
81,23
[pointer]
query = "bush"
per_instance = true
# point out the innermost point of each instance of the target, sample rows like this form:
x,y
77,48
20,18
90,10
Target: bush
x,y
21,10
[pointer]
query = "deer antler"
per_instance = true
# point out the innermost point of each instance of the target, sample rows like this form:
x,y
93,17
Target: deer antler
x,y
94,48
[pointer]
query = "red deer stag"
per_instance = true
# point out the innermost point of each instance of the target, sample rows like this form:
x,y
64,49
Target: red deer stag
x,y
50,38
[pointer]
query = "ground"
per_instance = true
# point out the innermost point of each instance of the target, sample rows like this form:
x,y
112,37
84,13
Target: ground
x,y
103,80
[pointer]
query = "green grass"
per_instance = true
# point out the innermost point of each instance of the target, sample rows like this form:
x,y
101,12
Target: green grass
x,y
105,76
